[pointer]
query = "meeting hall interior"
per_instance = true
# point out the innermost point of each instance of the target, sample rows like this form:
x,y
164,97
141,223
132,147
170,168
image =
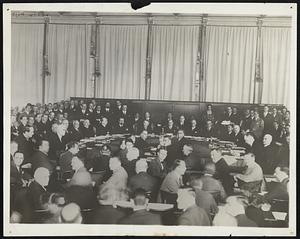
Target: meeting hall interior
x,y
150,119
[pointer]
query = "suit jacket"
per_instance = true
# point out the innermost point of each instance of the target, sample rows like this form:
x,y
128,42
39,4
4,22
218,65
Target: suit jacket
x,y
193,132
25,146
156,169
228,136
257,127
209,132
35,192
82,115
206,201
238,139
183,126
194,216
268,122
120,129
171,183
39,159
107,214
172,130
101,130
118,179
87,132
268,159
145,181
16,176
246,123
278,191
223,174
244,221
65,160
142,217
142,145
211,184
57,146
83,196
75,135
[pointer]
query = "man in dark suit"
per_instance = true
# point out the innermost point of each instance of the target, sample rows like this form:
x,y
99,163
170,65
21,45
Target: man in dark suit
x,y
103,128
140,214
229,135
238,138
121,128
267,118
75,132
125,114
170,128
57,143
193,130
246,121
135,124
143,180
182,123
38,187
267,157
192,214
65,158
23,123
204,199
87,130
209,130
141,142
40,157
107,112
146,126
83,112
25,145
179,142
212,185
106,212
97,115
157,166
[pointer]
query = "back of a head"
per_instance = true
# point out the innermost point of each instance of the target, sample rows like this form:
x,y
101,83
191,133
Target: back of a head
x,y
222,218
109,194
210,168
140,197
141,165
71,214
197,183
82,179
185,199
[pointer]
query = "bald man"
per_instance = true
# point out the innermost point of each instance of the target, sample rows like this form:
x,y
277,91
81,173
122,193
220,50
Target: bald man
x,y
267,156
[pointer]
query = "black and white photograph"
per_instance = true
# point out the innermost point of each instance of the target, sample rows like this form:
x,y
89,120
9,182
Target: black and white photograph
x,y
173,119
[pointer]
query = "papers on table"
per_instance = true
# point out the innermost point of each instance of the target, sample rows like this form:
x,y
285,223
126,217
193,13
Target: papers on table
x,y
152,206
229,159
271,179
279,215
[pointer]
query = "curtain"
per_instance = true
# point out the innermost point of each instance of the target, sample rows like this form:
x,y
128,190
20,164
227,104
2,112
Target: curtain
x,y
68,50
122,60
26,63
174,62
276,54
229,63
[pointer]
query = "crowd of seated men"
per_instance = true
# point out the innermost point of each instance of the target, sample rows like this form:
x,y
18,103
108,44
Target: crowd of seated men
x,y
44,146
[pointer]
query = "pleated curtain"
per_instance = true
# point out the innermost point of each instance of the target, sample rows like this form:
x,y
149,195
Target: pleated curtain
x,y
26,63
68,50
122,61
174,62
229,63
276,68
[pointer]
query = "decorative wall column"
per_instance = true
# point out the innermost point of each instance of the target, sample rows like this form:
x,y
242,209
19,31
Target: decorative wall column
x,y
149,59
258,81
200,86
45,71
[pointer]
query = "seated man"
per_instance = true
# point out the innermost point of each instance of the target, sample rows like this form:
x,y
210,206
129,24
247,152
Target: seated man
x,y
253,171
192,214
66,157
222,171
179,142
170,128
140,214
157,166
106,212
238,137
129,156
38,187
212,185
40,158
141,142
119,176
71,214
209,130
87,130
204,199
279,190
192,160
120,128
143,180
172,182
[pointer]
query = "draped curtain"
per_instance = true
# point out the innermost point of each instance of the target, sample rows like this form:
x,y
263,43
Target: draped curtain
x,y
276,54
174,62
122,60
68,50
229,63
26,63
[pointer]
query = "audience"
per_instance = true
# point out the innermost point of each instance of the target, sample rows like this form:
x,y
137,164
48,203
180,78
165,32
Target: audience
x,y
56,129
